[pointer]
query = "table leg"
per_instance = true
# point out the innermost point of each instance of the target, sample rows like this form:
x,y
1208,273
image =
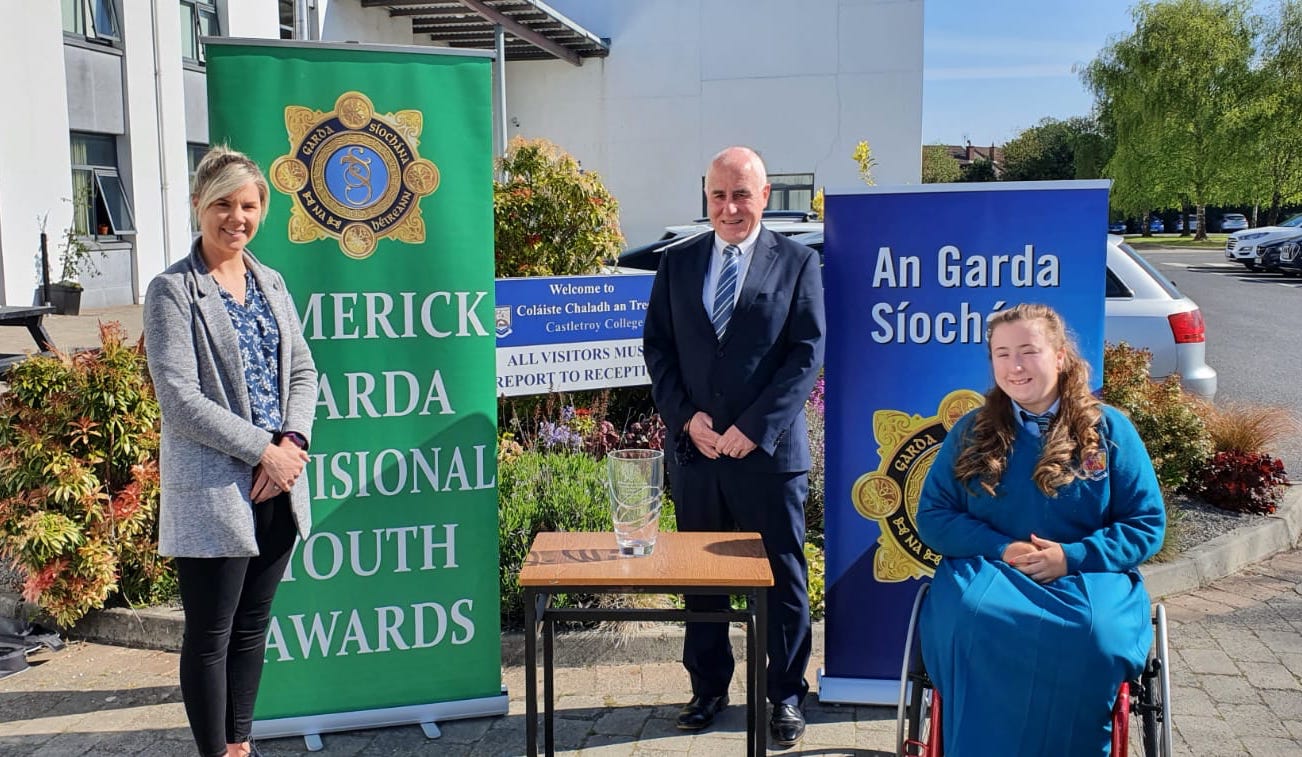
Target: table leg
x,y
530,673
36,328
753,720
761,620
549,707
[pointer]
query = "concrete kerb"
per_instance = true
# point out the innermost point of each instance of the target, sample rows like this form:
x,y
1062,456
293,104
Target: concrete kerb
x,y
161,628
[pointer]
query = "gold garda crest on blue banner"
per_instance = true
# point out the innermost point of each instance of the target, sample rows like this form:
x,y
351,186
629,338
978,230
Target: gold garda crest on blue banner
x,y
907,446
354,175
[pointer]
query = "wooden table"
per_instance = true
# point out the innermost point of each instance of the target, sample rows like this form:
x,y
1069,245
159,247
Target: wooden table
x,y
682,563
29,316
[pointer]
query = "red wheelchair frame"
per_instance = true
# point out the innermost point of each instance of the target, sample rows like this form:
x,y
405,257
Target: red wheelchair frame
x,y
920,711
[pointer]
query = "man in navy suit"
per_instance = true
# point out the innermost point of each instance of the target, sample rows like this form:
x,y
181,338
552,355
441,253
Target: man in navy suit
x,y
733,343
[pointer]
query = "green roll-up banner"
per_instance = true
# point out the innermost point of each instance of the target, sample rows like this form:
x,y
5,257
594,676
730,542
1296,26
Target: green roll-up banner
x,y
381,220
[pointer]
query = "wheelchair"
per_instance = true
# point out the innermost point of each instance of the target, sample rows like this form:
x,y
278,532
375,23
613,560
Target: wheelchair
x,y
1141,716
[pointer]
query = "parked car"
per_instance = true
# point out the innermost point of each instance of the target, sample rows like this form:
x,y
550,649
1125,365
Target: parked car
x,y
1179,223
1234,222
1244,246
1142,308
1290,258
1117,227
1155,225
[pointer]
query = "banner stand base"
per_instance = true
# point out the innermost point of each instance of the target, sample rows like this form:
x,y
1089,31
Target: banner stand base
x,y
876,691
310,727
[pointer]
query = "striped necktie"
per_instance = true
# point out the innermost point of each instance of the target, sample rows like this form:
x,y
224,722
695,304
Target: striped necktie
x,y
725,292
1042,421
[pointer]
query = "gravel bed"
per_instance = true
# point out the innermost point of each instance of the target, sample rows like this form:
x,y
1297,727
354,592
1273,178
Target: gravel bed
x,y
1199,522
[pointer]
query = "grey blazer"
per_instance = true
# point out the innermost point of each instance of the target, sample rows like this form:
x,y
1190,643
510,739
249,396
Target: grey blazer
x,y
209,444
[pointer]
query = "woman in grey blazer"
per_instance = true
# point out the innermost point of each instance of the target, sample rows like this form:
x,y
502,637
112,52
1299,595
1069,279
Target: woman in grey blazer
x,y
237,389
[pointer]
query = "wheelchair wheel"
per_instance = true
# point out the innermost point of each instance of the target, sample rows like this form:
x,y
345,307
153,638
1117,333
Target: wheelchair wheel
x,y
1153,698
917,701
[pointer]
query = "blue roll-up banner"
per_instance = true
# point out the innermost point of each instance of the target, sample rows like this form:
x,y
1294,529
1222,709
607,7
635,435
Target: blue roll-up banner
x,y
911,275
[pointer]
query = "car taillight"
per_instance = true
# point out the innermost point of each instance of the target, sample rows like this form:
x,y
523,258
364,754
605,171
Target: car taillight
x,y
1188,328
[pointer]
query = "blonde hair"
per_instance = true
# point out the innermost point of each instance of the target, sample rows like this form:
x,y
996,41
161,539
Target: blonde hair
x,y
1072,435
221,172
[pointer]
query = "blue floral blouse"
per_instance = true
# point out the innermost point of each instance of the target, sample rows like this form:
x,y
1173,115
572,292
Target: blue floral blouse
x,y
259,337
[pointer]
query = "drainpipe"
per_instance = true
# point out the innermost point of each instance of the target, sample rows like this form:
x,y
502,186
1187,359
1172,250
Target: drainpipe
x,y
300,20
162,155
499,42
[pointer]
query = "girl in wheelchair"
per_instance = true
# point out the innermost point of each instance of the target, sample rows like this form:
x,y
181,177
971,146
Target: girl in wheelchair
x,y
1043,503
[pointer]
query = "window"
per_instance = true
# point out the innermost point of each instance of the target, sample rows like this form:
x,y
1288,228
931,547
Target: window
x,y
791,191
100,203
198,19
92,19
286,19
194,154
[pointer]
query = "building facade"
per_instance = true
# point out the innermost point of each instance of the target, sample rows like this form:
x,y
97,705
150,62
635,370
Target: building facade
x,y
108,116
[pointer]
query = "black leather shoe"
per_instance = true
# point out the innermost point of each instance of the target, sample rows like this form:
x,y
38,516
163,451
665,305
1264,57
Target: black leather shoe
x,y
700,712
787,725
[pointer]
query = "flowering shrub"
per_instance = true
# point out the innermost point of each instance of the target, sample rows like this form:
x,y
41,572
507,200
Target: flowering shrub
x,y
1240,482
551,217
79,479
1165,417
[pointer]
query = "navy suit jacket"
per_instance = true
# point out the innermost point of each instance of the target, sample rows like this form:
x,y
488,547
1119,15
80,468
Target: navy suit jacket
x,y
759,376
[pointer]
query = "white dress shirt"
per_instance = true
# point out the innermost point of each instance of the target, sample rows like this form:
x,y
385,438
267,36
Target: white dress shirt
x,y
716,265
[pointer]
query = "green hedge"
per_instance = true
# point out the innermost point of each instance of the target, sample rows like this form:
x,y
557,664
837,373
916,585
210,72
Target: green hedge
x,y
546,491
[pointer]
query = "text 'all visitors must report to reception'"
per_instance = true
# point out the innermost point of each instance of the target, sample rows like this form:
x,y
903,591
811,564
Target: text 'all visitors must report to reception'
x,y
569,333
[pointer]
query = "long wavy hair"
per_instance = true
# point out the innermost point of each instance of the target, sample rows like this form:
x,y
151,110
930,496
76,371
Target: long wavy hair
x,y
1073,434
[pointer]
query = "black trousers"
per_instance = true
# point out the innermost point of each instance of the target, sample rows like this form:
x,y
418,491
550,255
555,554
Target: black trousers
x,y
722,495
227,602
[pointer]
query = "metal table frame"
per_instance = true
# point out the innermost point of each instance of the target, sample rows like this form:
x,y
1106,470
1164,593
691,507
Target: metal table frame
x,y
31,317
539,612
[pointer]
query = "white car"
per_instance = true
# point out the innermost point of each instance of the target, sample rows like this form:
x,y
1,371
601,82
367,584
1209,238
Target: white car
x,y
1245,246
1234,222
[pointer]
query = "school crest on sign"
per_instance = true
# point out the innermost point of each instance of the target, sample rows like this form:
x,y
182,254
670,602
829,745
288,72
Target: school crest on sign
x,y
907,446
354,175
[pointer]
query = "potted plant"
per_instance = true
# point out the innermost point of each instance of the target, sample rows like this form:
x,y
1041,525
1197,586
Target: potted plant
x,y
75,258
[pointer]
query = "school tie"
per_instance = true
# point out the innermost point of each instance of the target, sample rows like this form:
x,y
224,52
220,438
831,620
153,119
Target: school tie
x,y
725,292
1043,420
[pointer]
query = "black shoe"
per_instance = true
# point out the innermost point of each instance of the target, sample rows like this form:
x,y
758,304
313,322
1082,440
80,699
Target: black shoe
x,y
700,712
787,725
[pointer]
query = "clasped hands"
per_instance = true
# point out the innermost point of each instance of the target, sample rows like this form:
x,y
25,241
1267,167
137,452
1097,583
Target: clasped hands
x,y
279,468
1041,559
731,443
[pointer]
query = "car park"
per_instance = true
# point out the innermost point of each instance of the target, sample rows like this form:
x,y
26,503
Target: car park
x,y
1245,246
1142,308
1234,222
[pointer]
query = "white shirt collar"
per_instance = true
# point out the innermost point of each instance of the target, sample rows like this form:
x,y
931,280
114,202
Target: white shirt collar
x,y
746,245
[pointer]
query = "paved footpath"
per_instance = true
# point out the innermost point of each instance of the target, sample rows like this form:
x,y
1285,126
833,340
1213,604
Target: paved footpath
x,y
1237,678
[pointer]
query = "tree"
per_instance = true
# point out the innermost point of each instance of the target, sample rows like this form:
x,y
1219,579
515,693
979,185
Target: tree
x,y
1272,167
1053,150
550,216
938,166
1173,93
978,170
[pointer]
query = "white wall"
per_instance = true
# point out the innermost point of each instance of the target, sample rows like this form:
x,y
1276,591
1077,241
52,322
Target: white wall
x,y
347,20
802,82
35,167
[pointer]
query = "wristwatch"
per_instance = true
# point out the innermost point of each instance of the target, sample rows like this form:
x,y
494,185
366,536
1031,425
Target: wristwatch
x,y
298,439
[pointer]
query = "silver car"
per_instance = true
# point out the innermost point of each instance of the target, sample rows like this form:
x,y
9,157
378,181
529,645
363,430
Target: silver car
x,y
1143,309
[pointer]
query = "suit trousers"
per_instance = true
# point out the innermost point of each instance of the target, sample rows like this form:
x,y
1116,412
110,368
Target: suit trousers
x,y
227,603
727,495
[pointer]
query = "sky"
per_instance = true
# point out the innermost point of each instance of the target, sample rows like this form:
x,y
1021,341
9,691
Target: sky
x,y
994,68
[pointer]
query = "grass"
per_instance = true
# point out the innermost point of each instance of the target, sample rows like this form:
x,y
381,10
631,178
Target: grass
x,y
1184,241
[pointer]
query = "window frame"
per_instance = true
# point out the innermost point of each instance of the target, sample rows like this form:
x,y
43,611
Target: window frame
x,y
198,10
99,211
784,190
84,26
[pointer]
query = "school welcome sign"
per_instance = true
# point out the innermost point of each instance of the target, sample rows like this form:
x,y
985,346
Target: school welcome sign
x,y
381,222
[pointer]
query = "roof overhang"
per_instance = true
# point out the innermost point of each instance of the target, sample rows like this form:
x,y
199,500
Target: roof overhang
x,y
534,31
